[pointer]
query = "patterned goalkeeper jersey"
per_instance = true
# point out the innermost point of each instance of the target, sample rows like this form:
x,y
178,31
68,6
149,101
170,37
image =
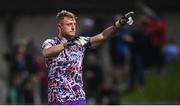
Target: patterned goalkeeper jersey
x,y
65,72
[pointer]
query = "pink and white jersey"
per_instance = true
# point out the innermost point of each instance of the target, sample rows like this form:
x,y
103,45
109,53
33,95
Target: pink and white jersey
x,y
65,72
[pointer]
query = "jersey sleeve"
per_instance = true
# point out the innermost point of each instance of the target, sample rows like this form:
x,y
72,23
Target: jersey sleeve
x,y
47,43
88,44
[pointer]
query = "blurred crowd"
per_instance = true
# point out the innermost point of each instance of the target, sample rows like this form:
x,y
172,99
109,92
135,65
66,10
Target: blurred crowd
x,y
27,78
132,52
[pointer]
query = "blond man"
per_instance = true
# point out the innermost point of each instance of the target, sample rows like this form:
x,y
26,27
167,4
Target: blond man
x,y
64,55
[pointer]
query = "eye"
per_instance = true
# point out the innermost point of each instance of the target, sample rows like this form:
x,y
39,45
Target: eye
x,y
68,24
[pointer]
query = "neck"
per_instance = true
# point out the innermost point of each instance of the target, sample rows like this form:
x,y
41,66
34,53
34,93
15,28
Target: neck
x,y
65,37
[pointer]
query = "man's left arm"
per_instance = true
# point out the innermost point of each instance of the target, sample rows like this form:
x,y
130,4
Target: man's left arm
x,y
109,32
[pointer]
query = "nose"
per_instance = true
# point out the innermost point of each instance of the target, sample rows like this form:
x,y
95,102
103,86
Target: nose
x,y
73,27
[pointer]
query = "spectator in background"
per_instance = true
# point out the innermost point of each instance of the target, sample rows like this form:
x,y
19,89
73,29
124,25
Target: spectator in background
x,y
21,62
31,54
138,48
119,52
20,58
18,72
94,77
157,33
41,72
16,91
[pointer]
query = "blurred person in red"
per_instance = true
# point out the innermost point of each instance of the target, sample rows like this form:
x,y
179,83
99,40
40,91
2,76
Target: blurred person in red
x,y
64,56
157,33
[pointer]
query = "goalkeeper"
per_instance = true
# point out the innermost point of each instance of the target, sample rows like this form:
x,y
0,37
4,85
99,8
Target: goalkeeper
x,y
64,55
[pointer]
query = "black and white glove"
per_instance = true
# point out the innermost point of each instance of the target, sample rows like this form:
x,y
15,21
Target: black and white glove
x,y
77,40
70,42
126,19
82,40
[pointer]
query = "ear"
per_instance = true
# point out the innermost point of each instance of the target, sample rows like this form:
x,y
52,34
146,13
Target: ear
x,y
59,25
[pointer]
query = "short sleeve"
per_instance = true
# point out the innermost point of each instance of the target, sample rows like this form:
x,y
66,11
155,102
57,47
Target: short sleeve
x,y
47,43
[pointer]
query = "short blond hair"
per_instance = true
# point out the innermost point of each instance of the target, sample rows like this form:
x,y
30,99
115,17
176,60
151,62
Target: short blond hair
x,y
60,15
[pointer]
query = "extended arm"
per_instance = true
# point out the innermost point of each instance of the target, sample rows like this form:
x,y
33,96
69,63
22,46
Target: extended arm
x,y
109,32
103,36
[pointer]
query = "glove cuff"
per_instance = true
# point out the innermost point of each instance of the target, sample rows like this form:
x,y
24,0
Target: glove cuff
x,y
117,24
70,42
66,45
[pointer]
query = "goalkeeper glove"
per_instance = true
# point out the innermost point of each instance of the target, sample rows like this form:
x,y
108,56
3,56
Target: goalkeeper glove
x,y
77,40
82,40
126,19
70,42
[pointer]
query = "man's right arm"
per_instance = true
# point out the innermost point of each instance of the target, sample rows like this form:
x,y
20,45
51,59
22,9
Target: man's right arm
x,y
48,52
50,49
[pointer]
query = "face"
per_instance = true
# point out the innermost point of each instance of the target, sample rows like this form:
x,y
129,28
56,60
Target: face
x,y
67,27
